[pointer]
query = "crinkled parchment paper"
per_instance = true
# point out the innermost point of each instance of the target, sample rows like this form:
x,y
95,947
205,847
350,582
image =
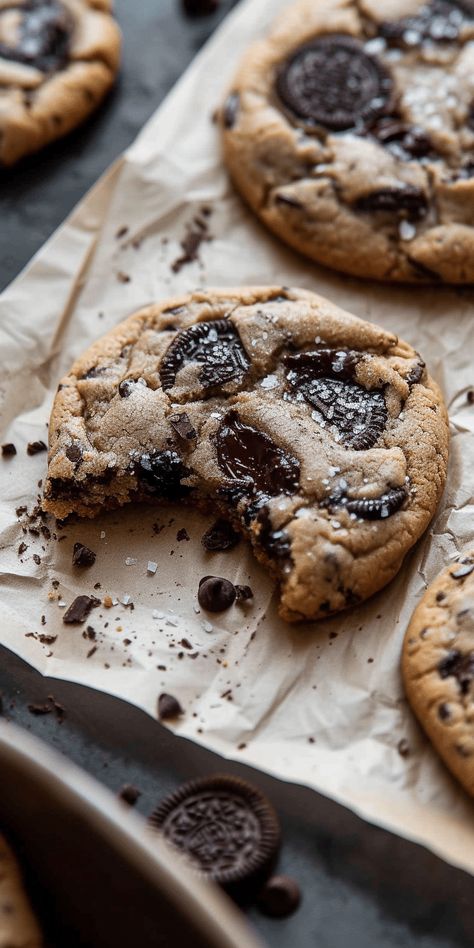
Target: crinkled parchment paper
x,y
322,704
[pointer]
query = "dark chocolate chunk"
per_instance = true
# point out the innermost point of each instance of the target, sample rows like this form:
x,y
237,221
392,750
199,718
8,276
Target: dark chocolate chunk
x,y
250,458
407,141
195,8
35,447
406,200
216,594
74,452
181,424
325,378
8,450
332,81
279,897
79,609
464,569
215,345
220,537
182,534
438,22
168,707
129,794
44,36
163,472
126,387
243,593
459,666
82,555
231,109
373,508
226,827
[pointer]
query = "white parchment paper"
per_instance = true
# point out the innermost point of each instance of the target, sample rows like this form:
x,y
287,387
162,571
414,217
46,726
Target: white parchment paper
x,y
322,705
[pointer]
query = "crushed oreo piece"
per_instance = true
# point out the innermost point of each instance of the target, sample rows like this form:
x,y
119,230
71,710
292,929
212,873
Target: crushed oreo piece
x,y
80,609
373,508
35,447
406,200
216,594
220,537
215,345
82,555
168,707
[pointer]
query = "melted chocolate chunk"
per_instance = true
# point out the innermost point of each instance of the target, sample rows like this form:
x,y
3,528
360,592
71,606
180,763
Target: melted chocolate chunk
x,y
45,31
406,200
215,345
231,110
374,508
406,141
438,22
216,594
324,377
163,472
227,829
250,458
220,537
333,82
460,667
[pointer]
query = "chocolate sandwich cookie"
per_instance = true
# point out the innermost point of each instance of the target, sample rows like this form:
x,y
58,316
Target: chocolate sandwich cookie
x,y
226,827
18,926
318,436
438,667
58,59
350,132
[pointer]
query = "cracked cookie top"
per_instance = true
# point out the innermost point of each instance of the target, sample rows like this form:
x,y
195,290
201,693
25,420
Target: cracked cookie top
x,y
319,436
438,666
57,60
350,130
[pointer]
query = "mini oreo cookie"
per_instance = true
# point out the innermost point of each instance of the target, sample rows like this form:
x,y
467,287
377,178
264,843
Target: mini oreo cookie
x,y
226,827
333,82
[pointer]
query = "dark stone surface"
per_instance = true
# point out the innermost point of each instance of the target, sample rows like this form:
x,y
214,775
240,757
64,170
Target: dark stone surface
x,y
361,886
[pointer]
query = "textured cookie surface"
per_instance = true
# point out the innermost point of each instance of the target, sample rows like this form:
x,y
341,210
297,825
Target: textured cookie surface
x,y
58,58
438,667
320,436
350,131
18,926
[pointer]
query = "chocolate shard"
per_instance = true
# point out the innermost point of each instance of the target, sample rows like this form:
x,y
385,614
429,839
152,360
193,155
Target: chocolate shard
x,y
8,450
331,81
168,707
251,459
181,424
80,609
35,447
82,555
129,794
214,345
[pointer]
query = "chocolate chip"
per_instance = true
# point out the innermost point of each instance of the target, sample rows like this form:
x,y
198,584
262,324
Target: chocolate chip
x,y
226,827
168,707
163,472
82,555
231,109
35,447
250,458
129,794
465,569
373,508
80,609
182,535
215,345
279,897
325,378
406,200
8,450
74,452
216,594
243,593
331,81
220,537
181,424
459,666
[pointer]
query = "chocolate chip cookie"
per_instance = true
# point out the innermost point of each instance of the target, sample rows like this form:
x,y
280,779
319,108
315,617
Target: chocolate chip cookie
x,y
350,132
319,436
58,59
438,667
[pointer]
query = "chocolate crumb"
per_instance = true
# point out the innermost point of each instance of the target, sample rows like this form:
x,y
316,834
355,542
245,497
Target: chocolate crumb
x,y
470,396
40,709
91,651
22,548
129,794
243,593
8,450
241,747
82,555
35,447
47,639
182,534
37,559
185,643
123,277
403,747
79,609
168,707
196,233
122,232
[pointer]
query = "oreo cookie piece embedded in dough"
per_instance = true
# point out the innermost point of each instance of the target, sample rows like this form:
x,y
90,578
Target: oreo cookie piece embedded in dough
x,y
226,827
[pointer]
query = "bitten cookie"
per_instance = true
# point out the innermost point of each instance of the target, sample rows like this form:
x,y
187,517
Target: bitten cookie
x,y
320,436
438,667
58,59
18,926
350,132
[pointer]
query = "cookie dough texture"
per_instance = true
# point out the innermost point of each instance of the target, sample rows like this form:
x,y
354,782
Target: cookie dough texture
x,y
58,59
438,667
18,926
390,196
320,436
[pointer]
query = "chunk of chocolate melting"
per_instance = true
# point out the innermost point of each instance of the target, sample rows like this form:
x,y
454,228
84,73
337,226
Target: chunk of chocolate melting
x,y
406,200
370,508
215,345
250,458
163,472
44,36
332,81
460,667
324,377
